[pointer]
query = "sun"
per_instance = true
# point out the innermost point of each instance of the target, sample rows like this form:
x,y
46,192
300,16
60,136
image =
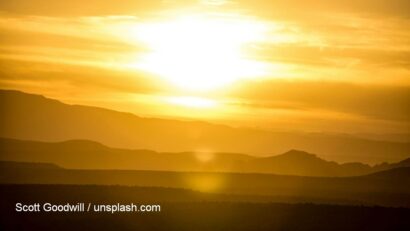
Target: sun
x,y
199,52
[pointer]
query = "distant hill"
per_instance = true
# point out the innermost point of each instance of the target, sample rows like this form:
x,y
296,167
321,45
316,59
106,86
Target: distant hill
x,y
82,154
395,173
34,117
301,163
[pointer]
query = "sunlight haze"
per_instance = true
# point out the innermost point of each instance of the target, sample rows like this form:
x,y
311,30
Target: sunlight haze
x,y
339,67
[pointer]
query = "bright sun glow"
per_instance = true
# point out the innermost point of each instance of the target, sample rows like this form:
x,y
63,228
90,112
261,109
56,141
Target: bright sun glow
x,y
189,101
200,53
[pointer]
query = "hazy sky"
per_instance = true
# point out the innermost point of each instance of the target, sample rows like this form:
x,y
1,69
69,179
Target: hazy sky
x,y
315,65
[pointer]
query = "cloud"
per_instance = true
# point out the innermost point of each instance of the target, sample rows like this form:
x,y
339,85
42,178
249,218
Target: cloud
x,y
338,58
368,101
75,8
39,76
299,9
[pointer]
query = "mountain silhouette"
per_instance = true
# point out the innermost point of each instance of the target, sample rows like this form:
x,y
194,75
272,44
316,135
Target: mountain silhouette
x,y
34,117
83,154
296,162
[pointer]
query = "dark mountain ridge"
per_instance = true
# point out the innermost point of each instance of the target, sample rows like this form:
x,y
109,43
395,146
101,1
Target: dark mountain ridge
x,y
386,188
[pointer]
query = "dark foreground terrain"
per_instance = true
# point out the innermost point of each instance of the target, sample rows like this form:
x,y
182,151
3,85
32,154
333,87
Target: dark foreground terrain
x,y
185,210
387,188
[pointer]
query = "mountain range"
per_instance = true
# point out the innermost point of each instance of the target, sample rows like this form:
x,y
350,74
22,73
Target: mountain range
x,y
34,117
83,154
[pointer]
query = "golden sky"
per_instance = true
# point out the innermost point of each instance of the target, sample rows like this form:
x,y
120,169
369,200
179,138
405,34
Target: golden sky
x,y
315,65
